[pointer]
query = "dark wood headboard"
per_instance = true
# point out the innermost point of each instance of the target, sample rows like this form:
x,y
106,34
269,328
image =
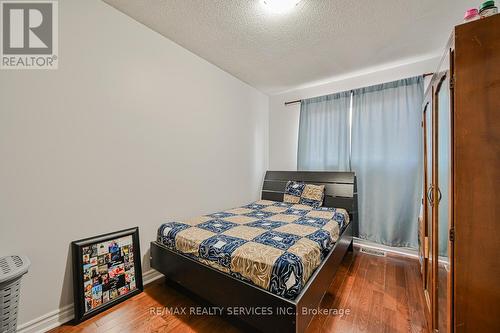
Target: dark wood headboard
x,y
340,188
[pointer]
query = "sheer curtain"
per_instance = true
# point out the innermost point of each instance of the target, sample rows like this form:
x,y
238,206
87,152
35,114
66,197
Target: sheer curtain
x,y
387,159
324,133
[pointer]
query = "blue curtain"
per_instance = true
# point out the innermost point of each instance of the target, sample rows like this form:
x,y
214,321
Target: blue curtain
x,y
387,159
324,133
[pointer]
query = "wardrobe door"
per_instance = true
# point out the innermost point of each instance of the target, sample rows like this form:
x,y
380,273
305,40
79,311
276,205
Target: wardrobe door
x,y
427,204
443,191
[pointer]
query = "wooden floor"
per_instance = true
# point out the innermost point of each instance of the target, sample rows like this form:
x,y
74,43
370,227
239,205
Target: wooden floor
x,y
383,294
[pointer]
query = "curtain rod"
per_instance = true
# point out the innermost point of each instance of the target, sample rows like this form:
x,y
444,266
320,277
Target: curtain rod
x,y
299,100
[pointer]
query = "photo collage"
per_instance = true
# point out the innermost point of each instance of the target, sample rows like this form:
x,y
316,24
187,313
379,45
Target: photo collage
x,y
108,271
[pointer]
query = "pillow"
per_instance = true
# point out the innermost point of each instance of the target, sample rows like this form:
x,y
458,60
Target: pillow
x,y
293,191
306,194
313,195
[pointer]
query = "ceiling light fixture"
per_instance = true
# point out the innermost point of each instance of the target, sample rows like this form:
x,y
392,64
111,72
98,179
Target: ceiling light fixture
x,y
280,6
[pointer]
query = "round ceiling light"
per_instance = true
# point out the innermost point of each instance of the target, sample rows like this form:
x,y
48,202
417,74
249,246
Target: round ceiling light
x,y
280,6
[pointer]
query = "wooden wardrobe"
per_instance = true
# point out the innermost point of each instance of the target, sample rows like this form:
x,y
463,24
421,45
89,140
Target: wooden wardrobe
x,y
460,236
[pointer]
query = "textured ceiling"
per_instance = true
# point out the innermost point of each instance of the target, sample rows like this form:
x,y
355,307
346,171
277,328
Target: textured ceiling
x,y
316,41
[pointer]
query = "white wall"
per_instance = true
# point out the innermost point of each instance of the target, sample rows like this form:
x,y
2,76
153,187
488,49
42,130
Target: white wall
x,y
284,120
131,130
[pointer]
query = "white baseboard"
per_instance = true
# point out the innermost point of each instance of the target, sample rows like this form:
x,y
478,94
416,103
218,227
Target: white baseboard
x,y
403,251
64,314
150,276
48,321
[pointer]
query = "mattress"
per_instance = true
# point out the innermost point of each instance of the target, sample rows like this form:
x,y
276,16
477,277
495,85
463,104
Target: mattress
x,y
274,245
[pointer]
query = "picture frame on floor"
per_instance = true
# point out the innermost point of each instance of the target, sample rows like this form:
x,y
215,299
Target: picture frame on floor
x,y
106,271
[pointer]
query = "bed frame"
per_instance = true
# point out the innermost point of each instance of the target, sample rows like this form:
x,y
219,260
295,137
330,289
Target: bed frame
x,y
272,313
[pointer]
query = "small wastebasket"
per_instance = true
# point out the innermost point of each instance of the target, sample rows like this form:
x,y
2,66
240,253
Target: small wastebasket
x,y
12,268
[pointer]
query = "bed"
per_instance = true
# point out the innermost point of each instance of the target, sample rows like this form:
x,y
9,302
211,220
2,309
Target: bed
x,y
269,263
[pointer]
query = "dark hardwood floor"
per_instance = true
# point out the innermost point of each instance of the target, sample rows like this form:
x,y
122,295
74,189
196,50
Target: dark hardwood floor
x,y
382,294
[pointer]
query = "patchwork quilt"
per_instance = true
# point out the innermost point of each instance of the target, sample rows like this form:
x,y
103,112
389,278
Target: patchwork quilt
x,y
274,245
